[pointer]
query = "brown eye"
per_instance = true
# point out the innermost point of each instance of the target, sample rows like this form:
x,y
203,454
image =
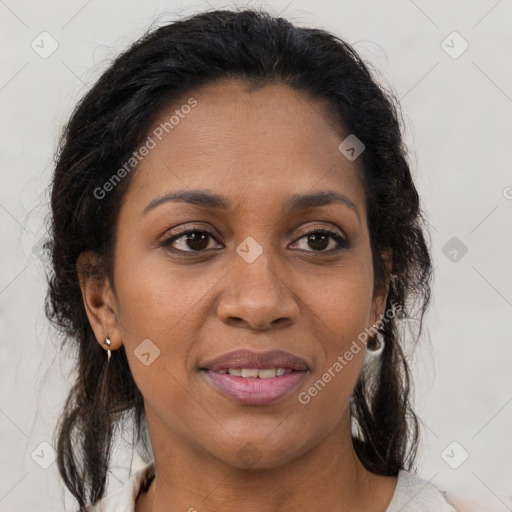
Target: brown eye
x,y
323,241
318,241
189,241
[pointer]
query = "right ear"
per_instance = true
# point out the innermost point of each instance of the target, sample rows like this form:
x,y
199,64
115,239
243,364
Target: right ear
x,y
98,299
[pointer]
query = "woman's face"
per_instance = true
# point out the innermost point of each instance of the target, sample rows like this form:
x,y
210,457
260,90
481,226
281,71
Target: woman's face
x,y
250,277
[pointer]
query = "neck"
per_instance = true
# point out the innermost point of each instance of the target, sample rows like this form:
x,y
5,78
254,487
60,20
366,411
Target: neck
x,y
328,476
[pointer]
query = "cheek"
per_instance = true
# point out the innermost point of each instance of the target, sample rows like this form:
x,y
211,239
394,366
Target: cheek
x,y
156,310
157,301
341,309
324,400
168,307
340,301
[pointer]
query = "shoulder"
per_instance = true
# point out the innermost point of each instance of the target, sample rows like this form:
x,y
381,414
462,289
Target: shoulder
x,y
413,493
124,498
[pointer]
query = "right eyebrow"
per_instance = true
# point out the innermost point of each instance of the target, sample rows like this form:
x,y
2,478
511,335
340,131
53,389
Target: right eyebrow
x,y
197,197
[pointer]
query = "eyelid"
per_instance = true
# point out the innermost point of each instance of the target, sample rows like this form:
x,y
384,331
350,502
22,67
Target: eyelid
x,y
187,227
336,234
177,232
182,229
327,229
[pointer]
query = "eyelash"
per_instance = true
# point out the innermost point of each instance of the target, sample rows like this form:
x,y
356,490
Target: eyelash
x,y
342,242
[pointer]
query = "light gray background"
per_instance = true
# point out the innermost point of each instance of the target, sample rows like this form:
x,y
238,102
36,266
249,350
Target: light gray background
x,y
458,117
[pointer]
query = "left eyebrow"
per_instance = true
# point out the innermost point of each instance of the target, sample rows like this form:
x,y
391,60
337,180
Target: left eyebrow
x,y
322,198
216,201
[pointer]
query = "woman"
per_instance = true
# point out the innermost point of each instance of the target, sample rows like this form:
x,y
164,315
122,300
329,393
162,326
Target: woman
x,y
237,246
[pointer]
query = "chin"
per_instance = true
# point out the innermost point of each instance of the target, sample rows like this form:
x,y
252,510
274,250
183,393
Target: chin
x,y
250,453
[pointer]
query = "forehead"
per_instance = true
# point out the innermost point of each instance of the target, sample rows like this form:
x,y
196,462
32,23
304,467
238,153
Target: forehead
x,y
265,143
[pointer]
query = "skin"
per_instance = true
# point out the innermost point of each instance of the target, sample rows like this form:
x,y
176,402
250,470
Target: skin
x,y
256,149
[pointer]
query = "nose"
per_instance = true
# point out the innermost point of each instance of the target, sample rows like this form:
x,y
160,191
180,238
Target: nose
x,y
257,298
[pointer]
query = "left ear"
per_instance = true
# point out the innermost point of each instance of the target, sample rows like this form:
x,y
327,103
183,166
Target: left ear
x,y
381,294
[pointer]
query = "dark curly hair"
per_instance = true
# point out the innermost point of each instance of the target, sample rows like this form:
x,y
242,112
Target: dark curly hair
x,y
110,122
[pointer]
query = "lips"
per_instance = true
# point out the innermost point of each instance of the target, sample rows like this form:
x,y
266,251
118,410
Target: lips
x,y
255,378
261,360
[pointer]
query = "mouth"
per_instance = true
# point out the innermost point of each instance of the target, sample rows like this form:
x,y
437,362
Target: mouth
x,y
255,378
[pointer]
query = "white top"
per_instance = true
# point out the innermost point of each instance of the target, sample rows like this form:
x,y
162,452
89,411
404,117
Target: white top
x,y
412,494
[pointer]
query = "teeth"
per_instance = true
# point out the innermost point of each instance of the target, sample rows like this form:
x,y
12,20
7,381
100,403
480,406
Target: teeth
x,y
246,372
264,373
267,373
